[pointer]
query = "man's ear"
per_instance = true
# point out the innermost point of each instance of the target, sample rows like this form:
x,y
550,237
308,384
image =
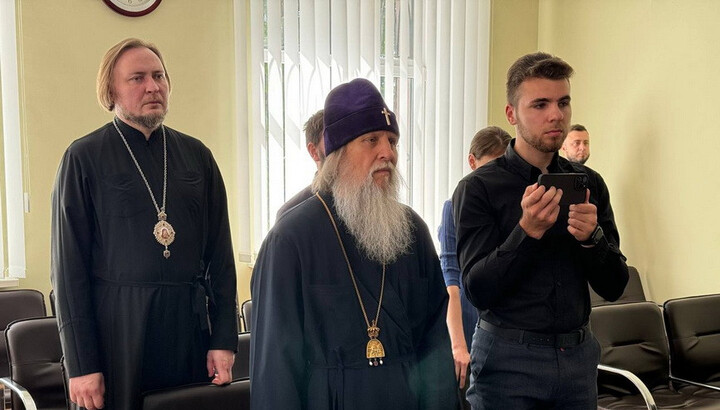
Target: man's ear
x,y
472,161
313,151
510,114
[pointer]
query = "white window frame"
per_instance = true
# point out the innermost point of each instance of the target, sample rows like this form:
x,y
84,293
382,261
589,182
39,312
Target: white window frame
x,y
12,233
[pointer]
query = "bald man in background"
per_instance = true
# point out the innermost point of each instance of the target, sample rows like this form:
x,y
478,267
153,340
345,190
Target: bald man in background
x,y
576,147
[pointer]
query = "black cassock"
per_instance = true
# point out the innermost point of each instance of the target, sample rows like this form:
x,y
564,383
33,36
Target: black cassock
x,y
123,308
309,335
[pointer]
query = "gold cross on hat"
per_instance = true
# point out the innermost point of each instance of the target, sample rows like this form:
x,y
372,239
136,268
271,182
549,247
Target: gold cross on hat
x,y
386,113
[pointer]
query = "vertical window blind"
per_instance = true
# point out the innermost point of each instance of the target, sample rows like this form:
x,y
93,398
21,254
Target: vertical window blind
x,y
429,58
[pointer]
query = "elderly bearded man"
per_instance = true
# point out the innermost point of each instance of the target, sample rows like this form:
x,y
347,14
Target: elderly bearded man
x,y
348,296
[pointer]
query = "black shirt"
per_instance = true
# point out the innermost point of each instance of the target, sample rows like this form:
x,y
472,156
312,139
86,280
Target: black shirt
x,y
524,283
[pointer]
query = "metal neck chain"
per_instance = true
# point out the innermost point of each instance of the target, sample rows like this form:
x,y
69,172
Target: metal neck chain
x,y
352,275
160,209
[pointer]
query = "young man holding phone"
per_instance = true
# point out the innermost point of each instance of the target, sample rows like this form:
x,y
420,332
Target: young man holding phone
x,y
526,264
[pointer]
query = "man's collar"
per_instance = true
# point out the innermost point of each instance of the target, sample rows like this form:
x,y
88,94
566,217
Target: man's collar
x,y
132,133
524,168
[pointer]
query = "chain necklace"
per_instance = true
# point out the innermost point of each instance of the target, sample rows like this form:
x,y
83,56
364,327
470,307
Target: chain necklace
x,y
163,231
374,350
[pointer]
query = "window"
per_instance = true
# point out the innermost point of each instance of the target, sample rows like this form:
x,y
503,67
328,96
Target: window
x,y
428,58
12,235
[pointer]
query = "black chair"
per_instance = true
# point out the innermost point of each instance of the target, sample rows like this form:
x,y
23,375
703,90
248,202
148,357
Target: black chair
x,y
634,371
633,291
14,305
34,353
246,312
233,396
52,302
693,325
241,367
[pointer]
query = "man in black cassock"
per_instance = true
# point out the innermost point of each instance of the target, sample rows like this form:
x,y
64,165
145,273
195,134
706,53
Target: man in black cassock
x,y
142,262
348,296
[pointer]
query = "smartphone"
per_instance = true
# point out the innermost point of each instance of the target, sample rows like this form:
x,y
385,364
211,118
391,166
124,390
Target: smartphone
x,y
573,185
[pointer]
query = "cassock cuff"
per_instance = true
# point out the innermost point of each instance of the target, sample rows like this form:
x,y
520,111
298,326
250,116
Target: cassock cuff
x,y
79,346
224,343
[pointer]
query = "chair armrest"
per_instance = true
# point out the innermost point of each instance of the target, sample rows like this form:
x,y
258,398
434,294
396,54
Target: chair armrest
x,y
698,384
644,391
23,394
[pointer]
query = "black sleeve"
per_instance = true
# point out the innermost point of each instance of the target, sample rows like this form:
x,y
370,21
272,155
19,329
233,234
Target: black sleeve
x,y
489,263
71,246
435,362
220,263
605,265
277,358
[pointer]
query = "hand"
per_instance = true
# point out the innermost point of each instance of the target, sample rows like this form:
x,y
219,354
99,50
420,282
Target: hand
x,y
540,209
462,360
88,391
219,364
582,219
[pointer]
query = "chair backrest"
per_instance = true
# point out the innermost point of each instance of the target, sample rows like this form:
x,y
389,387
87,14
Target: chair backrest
x,y
632,337
693,325
35,358
14,305
246,312
633,291
241,367
233,396
52,302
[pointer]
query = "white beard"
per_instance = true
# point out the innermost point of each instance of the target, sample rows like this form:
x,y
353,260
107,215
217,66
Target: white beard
x,y
381,225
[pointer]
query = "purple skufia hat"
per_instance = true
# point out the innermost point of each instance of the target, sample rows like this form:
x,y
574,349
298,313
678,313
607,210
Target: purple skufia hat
x,y
353,109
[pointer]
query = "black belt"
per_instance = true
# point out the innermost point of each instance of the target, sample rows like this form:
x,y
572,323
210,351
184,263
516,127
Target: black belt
x,y
558,340
201,291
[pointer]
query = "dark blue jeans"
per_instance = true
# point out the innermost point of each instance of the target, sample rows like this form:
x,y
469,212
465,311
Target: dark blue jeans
x,y
509,375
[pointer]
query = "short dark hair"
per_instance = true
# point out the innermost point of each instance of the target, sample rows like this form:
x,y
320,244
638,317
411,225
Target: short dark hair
x,y
314,128
578,127
536,65
488,141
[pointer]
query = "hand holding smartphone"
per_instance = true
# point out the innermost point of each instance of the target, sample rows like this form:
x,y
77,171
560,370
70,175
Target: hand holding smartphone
x,y
573,185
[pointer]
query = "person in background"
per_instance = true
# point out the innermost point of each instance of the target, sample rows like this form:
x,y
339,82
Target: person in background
x,y
576,146
527,261
316,148
348,303
141,306
487,144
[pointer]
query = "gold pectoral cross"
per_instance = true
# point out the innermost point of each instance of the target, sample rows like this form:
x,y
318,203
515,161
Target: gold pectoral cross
x,y
375,350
